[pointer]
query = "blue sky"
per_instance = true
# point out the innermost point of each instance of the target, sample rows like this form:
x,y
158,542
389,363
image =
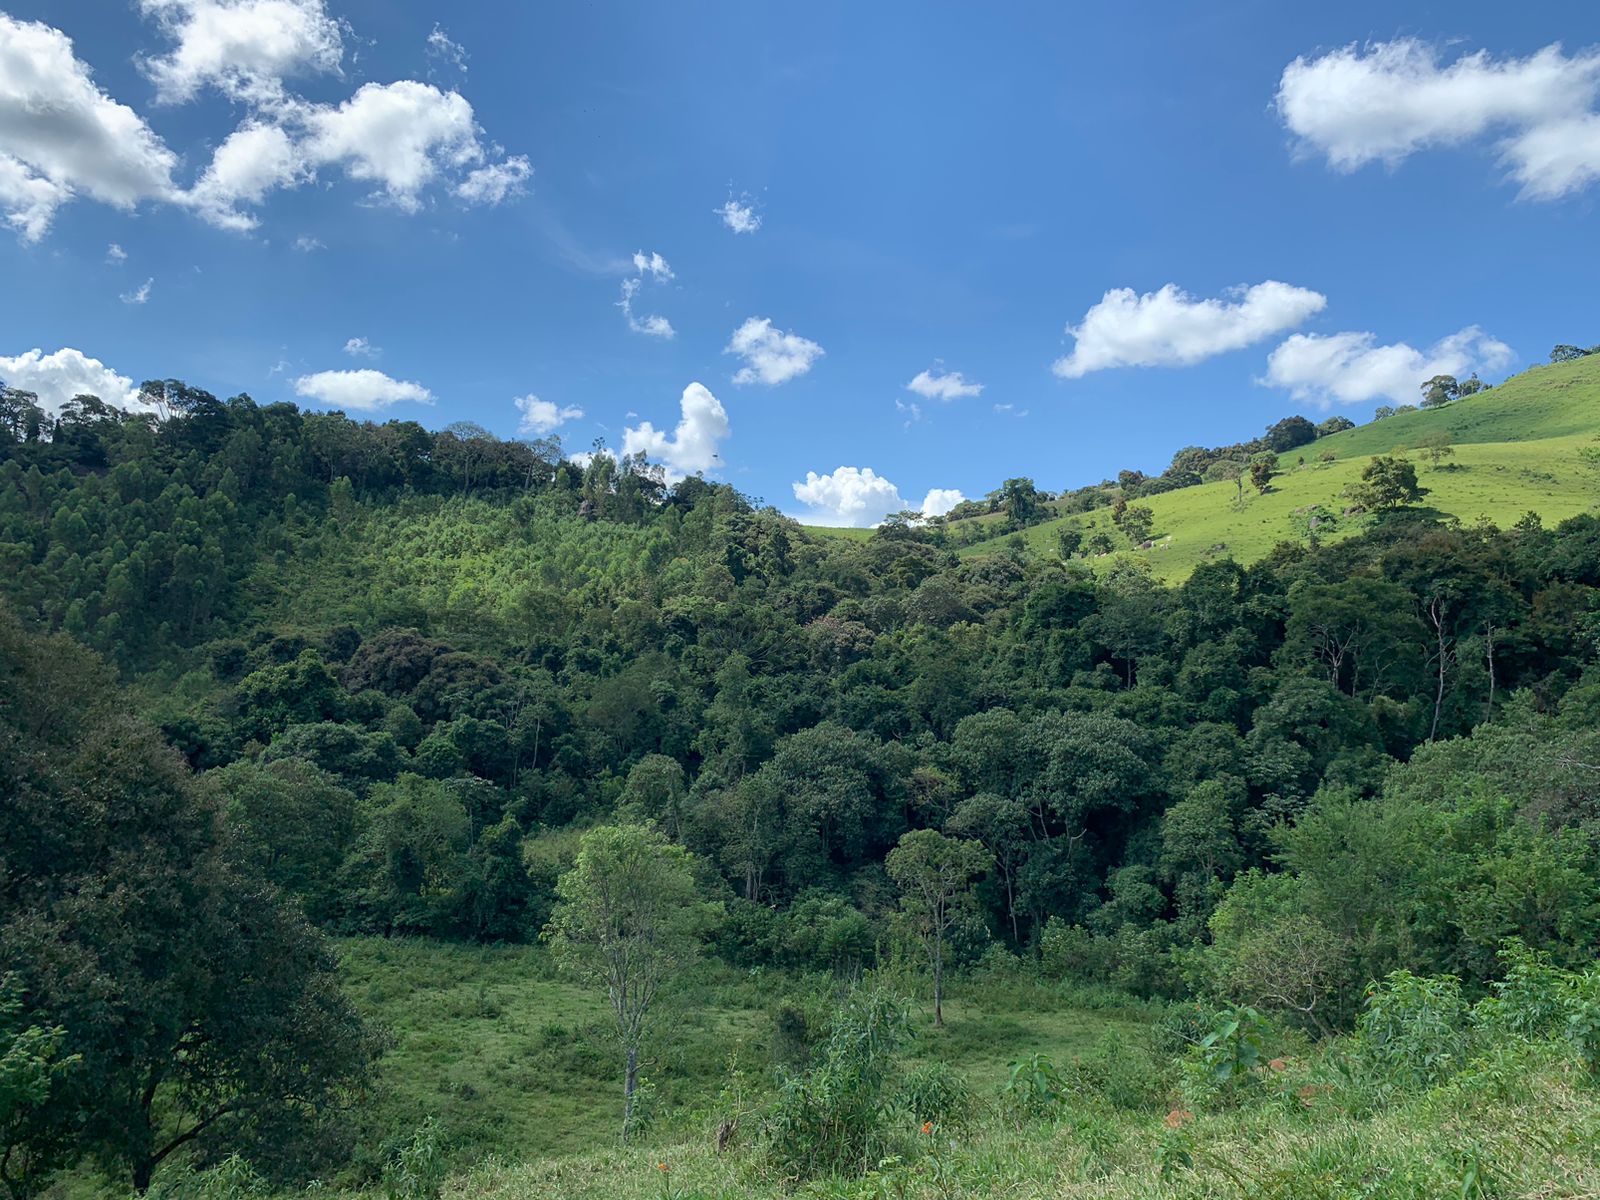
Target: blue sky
x,y
940,188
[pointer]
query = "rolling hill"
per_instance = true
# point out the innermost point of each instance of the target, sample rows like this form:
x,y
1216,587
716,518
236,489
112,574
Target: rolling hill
x,y
1517,448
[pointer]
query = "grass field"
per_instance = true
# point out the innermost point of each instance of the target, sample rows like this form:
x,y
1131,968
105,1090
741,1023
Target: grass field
x,y
512,1060
1517,449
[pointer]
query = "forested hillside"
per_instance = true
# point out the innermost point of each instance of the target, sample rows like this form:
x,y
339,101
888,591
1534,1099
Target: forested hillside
x,y
378,681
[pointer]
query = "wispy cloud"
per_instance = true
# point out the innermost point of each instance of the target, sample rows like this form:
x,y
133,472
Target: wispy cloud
x,y
140,294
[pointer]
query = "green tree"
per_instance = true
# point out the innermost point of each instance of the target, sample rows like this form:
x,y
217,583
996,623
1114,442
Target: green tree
x,y
31,1064
629,918
205,1011
1135,521
1387,482
1440,390
935,874
1262,470
1436,445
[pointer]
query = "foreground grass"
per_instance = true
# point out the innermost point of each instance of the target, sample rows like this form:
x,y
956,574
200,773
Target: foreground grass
x,y
1535,1134
512,1060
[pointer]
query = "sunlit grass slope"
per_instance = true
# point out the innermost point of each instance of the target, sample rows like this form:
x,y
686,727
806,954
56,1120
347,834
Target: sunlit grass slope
x,y
1517,449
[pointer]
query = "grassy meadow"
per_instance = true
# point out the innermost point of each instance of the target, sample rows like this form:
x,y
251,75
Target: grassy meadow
x,y
1517,448
513,1060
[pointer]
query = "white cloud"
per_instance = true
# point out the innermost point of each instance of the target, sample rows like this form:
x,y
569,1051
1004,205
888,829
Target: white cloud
x,y
253,160
243,48
652,264
116,254
853,496
398,135
445,48
692,447
770,357
139,294
496,182
542,416
583,458
910,409
360,347
58,377
1170,328
1389,100
940,501
1350,368
649,266
938,384
365,390
60,135
305,243
739,217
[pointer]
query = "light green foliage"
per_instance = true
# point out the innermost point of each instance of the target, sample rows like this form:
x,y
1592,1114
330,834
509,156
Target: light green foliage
x,y
629,919
836,1118
1412,1032
31,1063
934,874
1225,1064
1034,1088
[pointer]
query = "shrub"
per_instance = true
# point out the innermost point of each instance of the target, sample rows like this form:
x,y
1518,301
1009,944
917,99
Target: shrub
x,y
416,1168
1034,1088
835,1118
1412,1033
937,1093
1224,1064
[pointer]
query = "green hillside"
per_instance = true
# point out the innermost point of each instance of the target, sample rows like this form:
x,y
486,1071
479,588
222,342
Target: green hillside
x,y
1517,449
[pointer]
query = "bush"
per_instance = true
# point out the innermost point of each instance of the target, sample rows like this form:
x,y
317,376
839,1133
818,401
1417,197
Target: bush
x,y
1225,1064
1034,1088
1412,1033
937,1093
835,1118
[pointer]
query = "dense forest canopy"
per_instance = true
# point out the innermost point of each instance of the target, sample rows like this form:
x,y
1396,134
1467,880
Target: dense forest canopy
x,y
382,675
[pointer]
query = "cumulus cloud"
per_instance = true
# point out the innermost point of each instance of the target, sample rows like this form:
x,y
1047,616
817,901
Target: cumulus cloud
x,y
692,446
770,357
365,390
739,215
1351,368
397,135
851,496
1170,328
139,294
938,384
360,347
116,254
305,243
57,378
243,48
61,136
649,267
542,416
253,160
1389,100
940,501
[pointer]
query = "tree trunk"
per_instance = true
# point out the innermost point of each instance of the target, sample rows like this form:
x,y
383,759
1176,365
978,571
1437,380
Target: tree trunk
x,y
938,981
630,1081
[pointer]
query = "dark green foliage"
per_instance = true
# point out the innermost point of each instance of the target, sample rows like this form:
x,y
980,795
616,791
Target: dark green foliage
x,y
202,1009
